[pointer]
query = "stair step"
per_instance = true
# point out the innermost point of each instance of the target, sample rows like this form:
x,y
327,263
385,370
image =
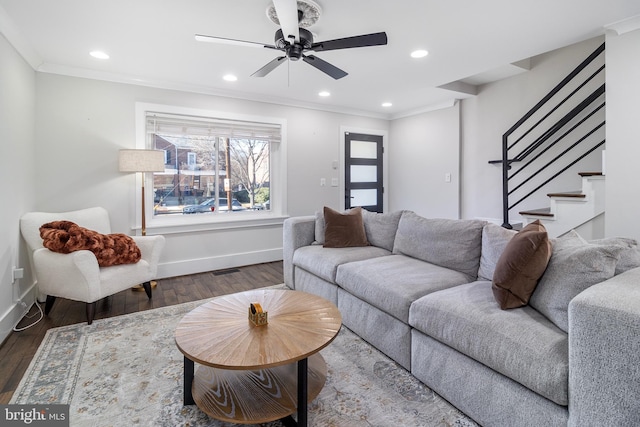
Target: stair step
x,y
573,194
590,173
546,212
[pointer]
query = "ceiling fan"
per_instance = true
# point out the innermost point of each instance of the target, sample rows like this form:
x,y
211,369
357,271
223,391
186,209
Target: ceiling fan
x,y
294,40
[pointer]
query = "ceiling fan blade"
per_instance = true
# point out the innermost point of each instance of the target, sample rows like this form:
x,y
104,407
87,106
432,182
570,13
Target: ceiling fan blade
x,y
287,11
269,67
222,40
375,39
324,66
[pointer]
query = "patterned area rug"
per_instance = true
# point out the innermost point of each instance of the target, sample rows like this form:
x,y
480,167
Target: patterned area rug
x,y
127,370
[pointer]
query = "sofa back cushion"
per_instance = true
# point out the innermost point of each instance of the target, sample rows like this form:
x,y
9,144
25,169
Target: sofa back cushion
x,y
575,265
450,243
630,255
494,240
381,228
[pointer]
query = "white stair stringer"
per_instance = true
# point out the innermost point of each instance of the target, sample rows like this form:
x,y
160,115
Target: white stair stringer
x,y
570,212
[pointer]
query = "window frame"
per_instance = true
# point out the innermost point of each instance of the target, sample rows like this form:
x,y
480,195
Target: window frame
x,y
190,223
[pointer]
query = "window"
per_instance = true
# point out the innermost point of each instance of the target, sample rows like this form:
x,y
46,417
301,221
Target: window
x,y
216,167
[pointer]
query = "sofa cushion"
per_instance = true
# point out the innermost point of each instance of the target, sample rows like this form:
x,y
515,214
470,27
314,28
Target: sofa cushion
x,y
381,228
344,230
520,344
392,283
574,266
450,243
494,240
521,264
324,262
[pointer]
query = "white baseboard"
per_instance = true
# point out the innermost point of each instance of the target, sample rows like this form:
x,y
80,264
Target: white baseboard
x,y
192,266
13,315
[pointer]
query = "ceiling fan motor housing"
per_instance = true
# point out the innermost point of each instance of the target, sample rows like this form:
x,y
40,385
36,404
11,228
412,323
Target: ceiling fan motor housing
x,y
292,48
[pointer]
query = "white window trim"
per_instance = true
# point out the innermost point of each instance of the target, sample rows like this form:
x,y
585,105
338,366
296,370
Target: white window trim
x,y
191,223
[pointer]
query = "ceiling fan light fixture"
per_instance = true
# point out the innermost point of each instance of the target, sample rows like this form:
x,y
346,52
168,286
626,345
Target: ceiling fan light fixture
x,y
420,53
308,13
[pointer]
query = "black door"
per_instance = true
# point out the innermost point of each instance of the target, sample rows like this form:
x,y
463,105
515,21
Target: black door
x,y
363,171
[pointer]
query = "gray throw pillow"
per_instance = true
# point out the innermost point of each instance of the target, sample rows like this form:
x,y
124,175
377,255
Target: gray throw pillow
x,y
320,227
574,266
494,240
449,243
381,228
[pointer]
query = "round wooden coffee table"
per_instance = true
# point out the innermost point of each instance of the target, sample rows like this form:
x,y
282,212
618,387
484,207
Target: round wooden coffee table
x,y
248,373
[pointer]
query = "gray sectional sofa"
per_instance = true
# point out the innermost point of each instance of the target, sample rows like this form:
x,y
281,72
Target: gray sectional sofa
x,y
421,293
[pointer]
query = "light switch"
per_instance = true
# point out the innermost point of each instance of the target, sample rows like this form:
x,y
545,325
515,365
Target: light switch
x,y
323,182
334,182
447,177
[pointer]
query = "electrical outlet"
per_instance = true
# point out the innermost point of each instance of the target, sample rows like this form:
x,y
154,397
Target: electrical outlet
x,y
18,273
334,182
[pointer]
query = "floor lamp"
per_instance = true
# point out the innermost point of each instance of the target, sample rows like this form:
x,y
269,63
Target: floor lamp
x,y
133,161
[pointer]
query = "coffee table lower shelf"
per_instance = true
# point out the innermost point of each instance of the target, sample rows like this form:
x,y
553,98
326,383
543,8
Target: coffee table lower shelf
x,y
252,397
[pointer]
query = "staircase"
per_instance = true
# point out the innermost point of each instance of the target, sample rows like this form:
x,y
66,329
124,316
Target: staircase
x,y
572,209
547,148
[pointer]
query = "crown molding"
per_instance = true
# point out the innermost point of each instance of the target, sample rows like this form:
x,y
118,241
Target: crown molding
x,y
426,109
205,90
624,26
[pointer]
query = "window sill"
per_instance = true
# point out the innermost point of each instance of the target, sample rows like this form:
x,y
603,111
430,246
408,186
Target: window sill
x,y
206,222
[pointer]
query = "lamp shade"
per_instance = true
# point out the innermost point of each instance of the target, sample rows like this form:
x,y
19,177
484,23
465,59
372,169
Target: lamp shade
x,y
141,161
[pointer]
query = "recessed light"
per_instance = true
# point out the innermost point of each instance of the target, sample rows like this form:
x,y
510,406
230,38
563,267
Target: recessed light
x,y
324,93
387,104
420,53
98,54
230,78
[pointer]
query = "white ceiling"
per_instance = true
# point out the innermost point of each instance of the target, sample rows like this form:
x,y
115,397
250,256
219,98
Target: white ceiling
x,y
151,42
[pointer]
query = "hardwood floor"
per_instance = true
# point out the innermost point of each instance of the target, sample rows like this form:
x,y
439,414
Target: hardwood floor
x,y
19,348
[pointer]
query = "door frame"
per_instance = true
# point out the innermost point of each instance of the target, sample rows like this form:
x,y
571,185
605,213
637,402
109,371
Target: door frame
x,y
385,170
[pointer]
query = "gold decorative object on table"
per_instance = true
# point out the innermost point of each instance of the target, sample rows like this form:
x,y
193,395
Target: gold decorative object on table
x,y
256,315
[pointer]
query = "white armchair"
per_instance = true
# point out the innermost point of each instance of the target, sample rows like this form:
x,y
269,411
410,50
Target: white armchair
x,y
76,275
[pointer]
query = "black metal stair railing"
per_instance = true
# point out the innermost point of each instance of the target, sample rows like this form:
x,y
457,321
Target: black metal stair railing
x,y
548,140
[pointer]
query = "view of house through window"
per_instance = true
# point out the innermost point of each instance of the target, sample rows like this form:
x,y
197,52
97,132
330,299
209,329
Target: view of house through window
x,y
212,166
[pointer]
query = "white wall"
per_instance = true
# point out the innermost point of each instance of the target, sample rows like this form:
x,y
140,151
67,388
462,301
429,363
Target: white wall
x,y
623,135
487,116
82,123
422,149
17,175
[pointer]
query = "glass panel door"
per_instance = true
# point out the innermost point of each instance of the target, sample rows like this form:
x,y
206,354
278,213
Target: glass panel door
x,y
363,171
